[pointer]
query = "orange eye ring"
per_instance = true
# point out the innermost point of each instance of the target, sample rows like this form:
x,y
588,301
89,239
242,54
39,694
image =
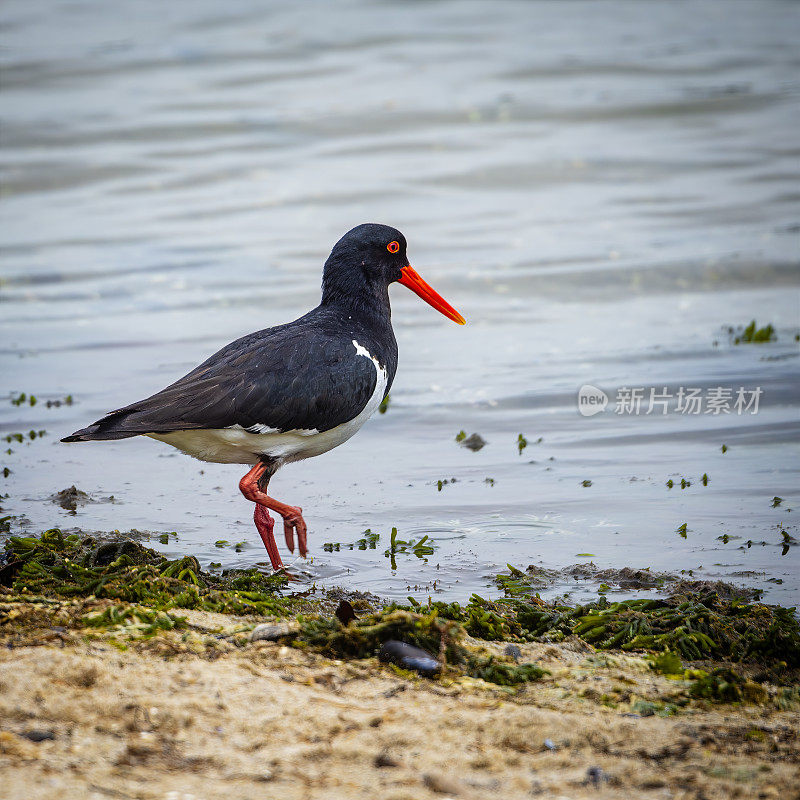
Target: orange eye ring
x,y
393,247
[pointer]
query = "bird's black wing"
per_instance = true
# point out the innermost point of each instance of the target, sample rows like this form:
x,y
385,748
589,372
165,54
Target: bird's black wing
x,y
289,377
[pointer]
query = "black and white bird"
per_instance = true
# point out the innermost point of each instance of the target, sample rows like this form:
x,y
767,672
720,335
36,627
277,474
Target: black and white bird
x,y
293,391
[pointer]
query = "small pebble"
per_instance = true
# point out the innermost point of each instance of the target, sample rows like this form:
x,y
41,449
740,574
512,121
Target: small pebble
x,y
595,776
441,784
272,632
39,736
513,651
385,760
475,442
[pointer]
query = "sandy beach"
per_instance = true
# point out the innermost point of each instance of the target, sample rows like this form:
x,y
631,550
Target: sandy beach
x,y
204,713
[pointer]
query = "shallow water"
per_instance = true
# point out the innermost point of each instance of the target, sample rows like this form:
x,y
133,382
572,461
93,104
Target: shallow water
x,y
600,187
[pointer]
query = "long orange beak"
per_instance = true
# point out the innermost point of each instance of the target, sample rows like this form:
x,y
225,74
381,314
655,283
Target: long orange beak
x,y
412,280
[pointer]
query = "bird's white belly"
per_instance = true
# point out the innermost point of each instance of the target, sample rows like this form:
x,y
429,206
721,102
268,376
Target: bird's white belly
x,y
236,445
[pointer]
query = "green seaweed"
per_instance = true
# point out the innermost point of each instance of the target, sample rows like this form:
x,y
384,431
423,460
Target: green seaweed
x,y
66,401
68,566
504,673
752,334
522,442
22,398
369,541
141,622
699,621
668,663
20,437
363,636
721,686
420,548
431,631
695,623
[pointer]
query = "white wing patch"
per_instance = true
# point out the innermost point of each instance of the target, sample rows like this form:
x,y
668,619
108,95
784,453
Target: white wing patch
x,y
362,351
257,428
260,428
380,372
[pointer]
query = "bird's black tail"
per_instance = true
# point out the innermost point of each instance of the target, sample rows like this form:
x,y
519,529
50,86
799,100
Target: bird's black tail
x,y
112,426
91,435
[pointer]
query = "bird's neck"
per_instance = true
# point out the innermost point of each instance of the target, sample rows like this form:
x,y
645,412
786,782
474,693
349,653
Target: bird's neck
x,y
369,302
366,307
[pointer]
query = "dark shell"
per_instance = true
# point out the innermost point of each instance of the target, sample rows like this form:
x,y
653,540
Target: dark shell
x,y
409,657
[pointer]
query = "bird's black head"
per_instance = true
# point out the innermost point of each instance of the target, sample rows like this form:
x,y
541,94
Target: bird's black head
x,y
360,268
366,255
364,262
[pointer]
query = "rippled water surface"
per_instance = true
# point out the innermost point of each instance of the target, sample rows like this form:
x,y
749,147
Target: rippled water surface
x,y
602,188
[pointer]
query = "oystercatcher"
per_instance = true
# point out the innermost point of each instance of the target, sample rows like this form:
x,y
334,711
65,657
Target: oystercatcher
x,y
293,391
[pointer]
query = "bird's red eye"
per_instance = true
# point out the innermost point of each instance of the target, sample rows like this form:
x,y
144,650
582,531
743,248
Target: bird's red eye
x,y
393,247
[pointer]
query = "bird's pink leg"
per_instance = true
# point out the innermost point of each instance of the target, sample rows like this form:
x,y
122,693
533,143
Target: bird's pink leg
x,y
264,525
253,487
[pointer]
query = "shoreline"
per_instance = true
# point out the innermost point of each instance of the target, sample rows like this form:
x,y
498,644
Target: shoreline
x,y
108,697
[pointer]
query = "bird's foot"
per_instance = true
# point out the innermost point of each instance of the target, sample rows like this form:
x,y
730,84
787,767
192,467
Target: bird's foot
x,y
293,521
264,525
251,487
